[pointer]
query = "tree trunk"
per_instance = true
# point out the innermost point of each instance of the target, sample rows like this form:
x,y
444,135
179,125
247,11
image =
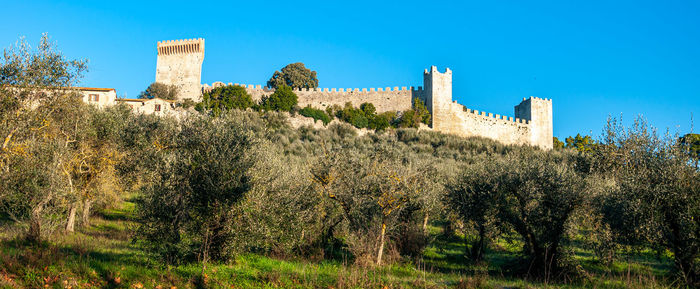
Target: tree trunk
x,y
381,245
477,253
86,212
70,225
34,234
425,223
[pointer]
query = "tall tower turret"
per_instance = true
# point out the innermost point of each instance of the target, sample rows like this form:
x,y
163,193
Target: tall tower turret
x,y
538,111
180,63
438,96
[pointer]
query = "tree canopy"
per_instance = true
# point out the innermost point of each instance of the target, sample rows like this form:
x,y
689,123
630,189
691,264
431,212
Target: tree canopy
x,y
160,90
294,75
283,99
225,98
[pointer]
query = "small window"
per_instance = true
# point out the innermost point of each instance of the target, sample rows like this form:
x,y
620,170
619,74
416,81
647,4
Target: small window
x,y
94,97
157,107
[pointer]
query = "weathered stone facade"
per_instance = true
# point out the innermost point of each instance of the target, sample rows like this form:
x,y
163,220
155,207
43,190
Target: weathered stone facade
x,y
384,99
180,63
155,106
532,124
101,97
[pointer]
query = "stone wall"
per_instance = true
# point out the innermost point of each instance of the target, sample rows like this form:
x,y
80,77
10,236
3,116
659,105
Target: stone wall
x,y
532,124
383,99
180,63
157,106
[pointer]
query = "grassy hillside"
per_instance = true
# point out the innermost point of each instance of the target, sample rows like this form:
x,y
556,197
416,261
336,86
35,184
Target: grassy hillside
x,y
104,256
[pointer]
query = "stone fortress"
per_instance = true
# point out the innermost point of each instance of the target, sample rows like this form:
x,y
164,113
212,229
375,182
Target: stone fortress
x,y
180,63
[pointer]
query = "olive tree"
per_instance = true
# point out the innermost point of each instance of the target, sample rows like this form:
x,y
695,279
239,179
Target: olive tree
x,y
371,190
656,200
474,197
532,192
37,142
201,173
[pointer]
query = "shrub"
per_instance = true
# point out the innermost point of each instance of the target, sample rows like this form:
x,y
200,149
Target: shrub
x,y
225,98
283,99
353,116
414,116
316,114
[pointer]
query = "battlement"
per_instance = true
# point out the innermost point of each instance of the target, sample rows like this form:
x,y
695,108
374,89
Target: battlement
x,y
507,119
536,98
419,89
183,46
434,69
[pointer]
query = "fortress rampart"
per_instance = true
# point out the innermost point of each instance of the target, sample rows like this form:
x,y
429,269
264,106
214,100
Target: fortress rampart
x,y
384,99
179,63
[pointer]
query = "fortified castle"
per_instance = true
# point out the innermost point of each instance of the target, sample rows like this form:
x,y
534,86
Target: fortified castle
x,y
180,63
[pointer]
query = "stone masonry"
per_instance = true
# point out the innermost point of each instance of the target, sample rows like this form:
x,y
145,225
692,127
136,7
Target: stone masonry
x,y
179,63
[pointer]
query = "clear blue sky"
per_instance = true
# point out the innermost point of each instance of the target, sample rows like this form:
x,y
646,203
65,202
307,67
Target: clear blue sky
x,y
593,58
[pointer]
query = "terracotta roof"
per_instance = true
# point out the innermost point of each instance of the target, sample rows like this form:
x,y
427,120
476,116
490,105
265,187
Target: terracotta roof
x,y
144,100
131,99
94,89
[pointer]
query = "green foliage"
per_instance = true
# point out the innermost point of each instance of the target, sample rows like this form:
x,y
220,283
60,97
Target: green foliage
x,y
415,116
187,103
225,98
557,144
39,145
353,116
186,210
283,99
655,200
316,114
692,143
372,192
532,192
294,75
474,197
584,144
160,90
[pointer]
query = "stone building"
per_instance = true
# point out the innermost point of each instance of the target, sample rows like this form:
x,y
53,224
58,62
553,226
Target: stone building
x,y
101,97
157,106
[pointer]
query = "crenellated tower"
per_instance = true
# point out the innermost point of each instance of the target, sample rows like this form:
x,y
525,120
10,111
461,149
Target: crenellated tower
x,y
437,90
538,111
180,63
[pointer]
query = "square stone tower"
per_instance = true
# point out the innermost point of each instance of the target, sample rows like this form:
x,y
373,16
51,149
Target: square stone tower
x,y
180,64
438,97
538,111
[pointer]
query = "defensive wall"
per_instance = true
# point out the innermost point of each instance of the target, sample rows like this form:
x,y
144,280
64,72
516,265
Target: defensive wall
x,y
383,98
180,61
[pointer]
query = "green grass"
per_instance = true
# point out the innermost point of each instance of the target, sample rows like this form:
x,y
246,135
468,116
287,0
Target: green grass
x,y
103,255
